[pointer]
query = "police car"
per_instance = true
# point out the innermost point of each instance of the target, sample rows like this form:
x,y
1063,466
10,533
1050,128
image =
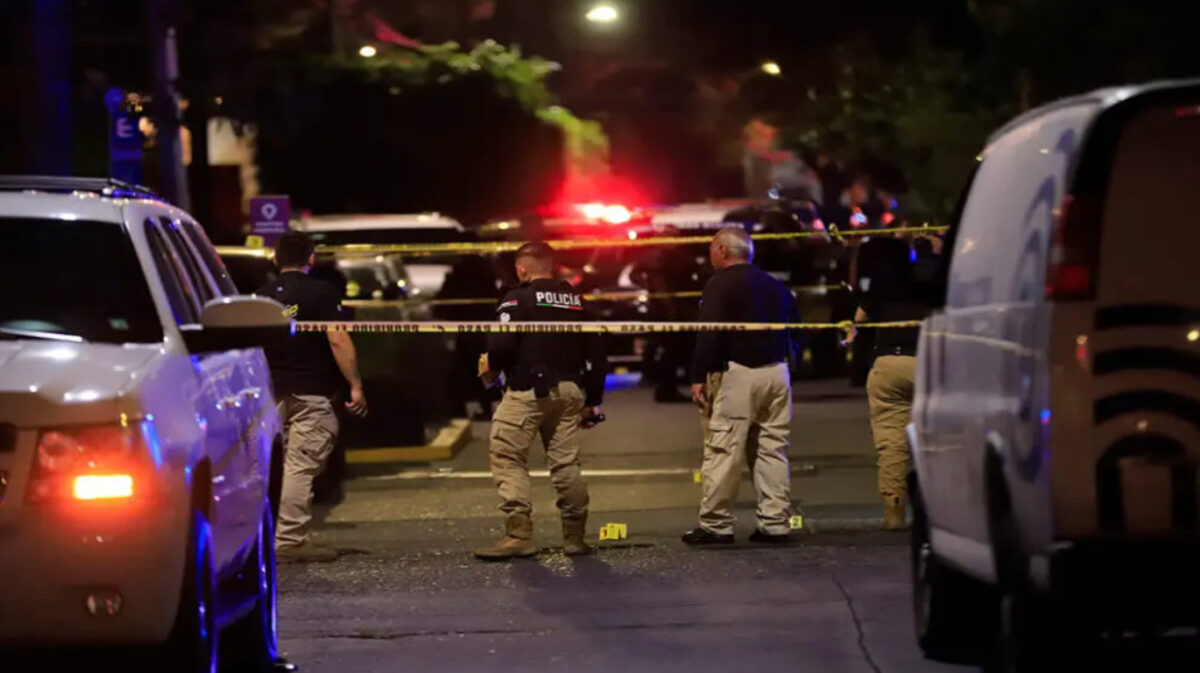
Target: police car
x,y
1055,427
137,432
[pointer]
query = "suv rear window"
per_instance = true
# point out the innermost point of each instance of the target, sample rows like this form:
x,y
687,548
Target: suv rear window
x,y
76,279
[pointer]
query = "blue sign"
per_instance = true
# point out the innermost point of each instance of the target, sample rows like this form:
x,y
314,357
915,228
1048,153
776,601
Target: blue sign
x,y
125,147
269,217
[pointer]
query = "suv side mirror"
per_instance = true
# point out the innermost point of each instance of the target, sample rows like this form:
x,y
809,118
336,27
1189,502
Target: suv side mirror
x,y
231,323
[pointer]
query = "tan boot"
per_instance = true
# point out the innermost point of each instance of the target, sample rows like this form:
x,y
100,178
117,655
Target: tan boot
x,y
574,532
895,513
516,543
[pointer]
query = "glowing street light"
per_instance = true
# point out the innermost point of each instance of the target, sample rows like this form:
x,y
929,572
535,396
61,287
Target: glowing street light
x,y
603,14
772,68
367,51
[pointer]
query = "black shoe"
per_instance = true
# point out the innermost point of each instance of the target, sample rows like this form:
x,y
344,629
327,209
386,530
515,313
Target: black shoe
x,y
699,536
767,538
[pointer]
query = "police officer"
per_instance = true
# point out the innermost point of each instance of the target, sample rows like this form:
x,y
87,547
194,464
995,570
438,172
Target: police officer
x,y
554,384
742,384
306,372
897,286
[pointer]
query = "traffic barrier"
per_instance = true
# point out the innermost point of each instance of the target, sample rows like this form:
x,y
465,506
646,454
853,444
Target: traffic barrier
x,y
624,295
492,247
466,327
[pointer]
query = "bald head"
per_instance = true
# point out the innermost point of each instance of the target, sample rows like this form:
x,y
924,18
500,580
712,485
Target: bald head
x,y
731,245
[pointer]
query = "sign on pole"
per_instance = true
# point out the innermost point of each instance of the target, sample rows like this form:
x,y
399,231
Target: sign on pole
x,y
269,217
124,140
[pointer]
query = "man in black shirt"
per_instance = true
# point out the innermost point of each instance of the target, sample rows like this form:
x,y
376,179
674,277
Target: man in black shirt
x,y
741,382
307,372
544,374
895,287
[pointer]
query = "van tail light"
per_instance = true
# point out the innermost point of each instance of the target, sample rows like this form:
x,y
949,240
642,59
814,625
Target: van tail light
x,y
86,464
1074,250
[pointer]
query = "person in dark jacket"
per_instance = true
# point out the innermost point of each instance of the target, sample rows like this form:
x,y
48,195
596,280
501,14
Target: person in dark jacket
x,y
742,384
554,383
896,287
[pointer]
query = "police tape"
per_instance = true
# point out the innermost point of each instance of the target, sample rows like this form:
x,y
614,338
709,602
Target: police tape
x,y
490,247
622,295
466,327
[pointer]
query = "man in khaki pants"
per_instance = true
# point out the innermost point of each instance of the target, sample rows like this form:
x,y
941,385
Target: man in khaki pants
x,y
894,289
307,372
554,383
742,384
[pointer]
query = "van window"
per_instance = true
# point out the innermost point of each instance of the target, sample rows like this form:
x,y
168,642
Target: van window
x,y
209,258
1150,209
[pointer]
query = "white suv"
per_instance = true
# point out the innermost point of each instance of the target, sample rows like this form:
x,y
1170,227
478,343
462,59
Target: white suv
x,y
137,431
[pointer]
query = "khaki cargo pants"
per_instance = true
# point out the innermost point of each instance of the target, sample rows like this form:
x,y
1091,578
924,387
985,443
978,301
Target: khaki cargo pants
x,y
890,390
748,417
520,417
310,428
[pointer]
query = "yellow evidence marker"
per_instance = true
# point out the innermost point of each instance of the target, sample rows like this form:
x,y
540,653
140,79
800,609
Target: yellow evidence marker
x,y
614,531
797,522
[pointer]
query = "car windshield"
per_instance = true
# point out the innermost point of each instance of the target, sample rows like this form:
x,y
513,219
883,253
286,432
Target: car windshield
x,y
74,279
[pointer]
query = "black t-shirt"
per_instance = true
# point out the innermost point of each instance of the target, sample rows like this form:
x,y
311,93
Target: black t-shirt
x,y
894,288
304,364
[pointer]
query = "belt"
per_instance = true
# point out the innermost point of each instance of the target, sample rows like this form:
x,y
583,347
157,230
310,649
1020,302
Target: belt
x,y
909,351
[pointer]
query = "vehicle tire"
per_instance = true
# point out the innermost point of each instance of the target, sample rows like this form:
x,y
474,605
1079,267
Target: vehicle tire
x,y
251,643
955,615
193,644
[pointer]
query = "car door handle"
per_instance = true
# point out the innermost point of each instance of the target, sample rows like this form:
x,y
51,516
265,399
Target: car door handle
x,y
252,393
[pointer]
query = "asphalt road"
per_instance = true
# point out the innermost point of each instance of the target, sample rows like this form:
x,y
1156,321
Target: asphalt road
x,y
407,595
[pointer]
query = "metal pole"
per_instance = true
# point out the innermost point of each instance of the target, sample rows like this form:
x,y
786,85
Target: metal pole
x,y
171,171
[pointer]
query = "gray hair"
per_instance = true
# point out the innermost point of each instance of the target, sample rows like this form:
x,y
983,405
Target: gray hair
x,y
736,242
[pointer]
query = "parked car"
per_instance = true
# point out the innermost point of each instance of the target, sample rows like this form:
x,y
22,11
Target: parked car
x,y
137,431
1054,427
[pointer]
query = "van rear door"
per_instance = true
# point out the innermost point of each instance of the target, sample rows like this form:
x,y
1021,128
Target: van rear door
x,y
1129,375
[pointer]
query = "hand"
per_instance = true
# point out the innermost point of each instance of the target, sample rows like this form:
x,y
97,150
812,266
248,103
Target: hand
x,y
358,401
590,417
850,333
698,395
486,375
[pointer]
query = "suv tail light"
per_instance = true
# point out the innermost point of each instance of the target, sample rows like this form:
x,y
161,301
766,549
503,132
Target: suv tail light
x,y
89,463
1074,250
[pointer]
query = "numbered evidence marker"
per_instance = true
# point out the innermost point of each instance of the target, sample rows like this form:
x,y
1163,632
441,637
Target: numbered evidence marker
x,y
614,531
697,477
797,522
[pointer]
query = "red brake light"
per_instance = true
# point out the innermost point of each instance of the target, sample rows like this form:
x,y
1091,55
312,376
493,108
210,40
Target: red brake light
x,y
88,463
103,486
1074,250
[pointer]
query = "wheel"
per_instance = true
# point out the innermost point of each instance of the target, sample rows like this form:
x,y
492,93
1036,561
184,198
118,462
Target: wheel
x,y
1025,638
955,615
192,646
251,643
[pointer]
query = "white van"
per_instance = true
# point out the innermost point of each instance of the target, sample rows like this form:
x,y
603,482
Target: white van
x,y
1056,425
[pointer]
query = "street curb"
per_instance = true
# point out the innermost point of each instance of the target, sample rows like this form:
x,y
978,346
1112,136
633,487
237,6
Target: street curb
x,y
448,440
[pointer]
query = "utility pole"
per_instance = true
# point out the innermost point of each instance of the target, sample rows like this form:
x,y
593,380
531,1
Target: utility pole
x,y
172,174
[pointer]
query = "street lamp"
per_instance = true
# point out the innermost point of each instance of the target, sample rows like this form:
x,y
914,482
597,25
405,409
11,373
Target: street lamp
x,y
367,51
603,13
772,68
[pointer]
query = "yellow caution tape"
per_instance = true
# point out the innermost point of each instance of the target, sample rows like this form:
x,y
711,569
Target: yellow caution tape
x,y
625,295
465,327
486,247
614,531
